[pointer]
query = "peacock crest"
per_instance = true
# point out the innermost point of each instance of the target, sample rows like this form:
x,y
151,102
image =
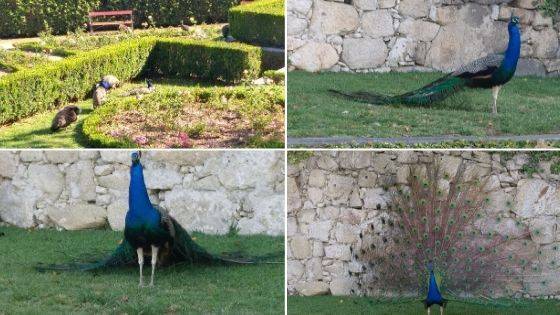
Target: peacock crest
x,y
441,220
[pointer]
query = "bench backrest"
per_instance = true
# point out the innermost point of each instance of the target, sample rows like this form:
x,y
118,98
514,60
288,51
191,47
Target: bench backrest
x,y
110,13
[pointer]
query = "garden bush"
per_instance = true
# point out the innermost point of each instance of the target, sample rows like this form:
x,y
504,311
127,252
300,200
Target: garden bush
x,y
206,60
260,22
30,91
29,17
173,12
165,114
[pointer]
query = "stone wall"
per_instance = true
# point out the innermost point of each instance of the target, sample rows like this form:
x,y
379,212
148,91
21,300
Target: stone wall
x,y
415,35
205,191
333,195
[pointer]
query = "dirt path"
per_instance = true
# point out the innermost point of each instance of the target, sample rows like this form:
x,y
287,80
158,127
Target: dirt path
x,y
327,141
8,43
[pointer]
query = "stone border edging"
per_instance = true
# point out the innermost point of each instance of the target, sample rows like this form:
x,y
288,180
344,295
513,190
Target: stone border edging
x,y
319,141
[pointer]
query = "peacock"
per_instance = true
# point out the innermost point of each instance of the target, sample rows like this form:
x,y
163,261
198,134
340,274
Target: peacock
x,y
438,241
492,71
110,82
148,89
152,231
65,117
99,95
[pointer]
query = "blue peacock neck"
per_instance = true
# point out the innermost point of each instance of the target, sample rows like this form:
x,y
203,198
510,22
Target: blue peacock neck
x,y
514,48
434,294
138,200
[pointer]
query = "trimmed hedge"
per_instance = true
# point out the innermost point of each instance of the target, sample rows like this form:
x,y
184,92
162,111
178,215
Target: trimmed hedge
x,y
28,17
267,98
172,12
206,60
260,22
30,91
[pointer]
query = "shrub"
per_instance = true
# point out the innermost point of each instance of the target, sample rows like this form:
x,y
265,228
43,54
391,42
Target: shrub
x,y
34,90
206,60
173,12
251,105
261,22
28,18
30,91
550,8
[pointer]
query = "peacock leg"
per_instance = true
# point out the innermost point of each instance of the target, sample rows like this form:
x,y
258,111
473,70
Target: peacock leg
x,y
154,261
140,252
429,307
440,310
495,91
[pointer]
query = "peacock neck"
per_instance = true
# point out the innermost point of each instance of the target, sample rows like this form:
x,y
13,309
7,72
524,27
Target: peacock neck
x,y
138,201
513,49
433,290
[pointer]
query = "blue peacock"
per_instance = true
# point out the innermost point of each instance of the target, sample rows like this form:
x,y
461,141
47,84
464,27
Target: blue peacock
x,y
151,231
492,71
437,241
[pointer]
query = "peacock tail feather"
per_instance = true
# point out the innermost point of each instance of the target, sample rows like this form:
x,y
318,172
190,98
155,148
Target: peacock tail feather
x,y
430,93
441,218
123,255
183,251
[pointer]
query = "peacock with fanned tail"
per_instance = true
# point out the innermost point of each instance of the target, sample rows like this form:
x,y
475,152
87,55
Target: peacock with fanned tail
x,y
151,231
492,71
439,242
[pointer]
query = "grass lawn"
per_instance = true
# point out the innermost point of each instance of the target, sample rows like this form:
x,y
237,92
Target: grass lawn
x,y
361,305
34,132
248,289
527,105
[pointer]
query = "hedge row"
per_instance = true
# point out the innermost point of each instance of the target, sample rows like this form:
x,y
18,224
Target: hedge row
x,y
260,22
206,60
29,17
172,12
30,91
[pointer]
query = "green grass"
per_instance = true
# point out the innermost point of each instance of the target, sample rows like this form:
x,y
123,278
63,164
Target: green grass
x,y
526,105
364,305
248,289
34,132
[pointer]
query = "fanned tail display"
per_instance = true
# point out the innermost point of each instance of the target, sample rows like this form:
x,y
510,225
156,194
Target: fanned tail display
x,y
440,234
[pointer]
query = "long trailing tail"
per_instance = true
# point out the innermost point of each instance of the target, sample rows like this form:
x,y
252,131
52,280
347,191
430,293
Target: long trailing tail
x,y
123,255
433,92
184,250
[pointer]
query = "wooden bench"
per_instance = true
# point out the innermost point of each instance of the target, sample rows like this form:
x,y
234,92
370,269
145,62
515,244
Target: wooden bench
x,y
129,21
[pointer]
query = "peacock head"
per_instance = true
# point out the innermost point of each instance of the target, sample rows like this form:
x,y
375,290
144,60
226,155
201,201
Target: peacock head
x,y
430,266
514,20
135,156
